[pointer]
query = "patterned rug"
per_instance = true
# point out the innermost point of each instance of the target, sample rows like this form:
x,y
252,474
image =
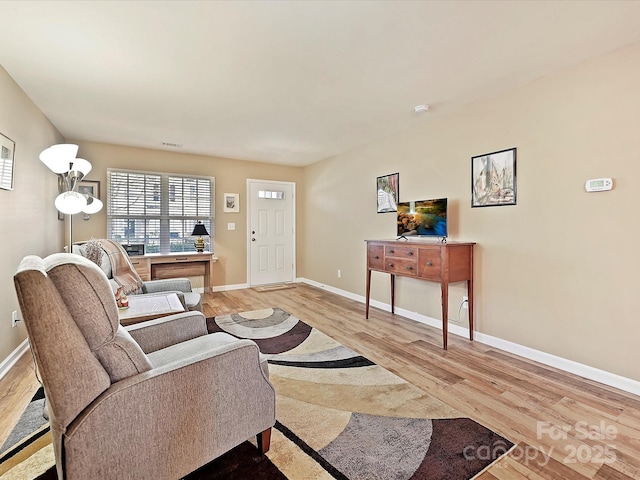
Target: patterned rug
x,y
339,415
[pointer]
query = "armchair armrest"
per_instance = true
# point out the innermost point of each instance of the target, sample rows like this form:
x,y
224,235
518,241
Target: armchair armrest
x,y
168,284
162,332
170,420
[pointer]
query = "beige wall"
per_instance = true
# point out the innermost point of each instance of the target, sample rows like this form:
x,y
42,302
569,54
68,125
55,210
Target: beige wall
x,y
558,271
28,219
231,177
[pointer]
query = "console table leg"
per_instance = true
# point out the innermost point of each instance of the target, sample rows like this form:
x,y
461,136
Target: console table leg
x,y
393,294
445,313
208,284
366,308
470,300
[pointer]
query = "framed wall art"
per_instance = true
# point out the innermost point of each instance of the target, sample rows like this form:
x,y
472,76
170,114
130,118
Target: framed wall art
x,y
89,187
231,203
493,179
7,153
388,192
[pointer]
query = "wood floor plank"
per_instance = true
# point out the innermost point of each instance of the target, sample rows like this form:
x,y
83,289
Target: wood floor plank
x,y
607,472
16,390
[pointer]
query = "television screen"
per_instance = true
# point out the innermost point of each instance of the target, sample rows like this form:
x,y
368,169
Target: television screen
x,y
423,218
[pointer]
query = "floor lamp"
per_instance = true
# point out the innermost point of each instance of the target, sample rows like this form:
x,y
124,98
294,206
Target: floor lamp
x,y
61,160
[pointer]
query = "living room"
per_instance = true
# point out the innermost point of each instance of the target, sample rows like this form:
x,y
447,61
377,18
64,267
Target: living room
x,y
554,277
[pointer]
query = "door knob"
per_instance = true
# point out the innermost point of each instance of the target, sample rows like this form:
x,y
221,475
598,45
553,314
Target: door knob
x,y
253,239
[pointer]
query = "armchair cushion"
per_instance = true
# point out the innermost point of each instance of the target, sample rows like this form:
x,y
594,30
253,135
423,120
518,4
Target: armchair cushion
x,y
162,332
182,286
219,342
167,284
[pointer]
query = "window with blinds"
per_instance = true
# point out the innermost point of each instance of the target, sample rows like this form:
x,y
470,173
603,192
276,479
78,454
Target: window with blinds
x,y
158,209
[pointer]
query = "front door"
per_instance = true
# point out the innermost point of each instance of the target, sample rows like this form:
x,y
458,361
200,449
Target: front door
x,y
271,232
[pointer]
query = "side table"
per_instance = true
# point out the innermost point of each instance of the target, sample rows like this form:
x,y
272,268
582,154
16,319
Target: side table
x,y
149,306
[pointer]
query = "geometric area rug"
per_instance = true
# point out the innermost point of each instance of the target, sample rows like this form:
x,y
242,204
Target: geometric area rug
x,y
339,415
352,418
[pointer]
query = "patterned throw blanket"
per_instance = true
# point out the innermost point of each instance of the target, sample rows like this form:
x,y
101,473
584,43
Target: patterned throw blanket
x,y
123,272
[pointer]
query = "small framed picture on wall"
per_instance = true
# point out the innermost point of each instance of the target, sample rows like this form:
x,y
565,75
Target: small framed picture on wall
x,y
493,179
388,192
7,149
231,203
89,187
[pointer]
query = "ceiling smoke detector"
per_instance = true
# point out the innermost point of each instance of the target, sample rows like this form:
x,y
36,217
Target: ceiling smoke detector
x,y
421,109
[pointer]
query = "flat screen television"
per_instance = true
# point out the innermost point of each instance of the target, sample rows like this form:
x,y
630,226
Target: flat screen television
x,y
423,218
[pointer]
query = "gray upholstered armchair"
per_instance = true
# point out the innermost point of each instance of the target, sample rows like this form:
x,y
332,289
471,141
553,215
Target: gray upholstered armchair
x,y
156,401
114,258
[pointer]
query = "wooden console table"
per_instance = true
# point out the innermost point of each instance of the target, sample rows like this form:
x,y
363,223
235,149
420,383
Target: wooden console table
x,y
438,262
156,266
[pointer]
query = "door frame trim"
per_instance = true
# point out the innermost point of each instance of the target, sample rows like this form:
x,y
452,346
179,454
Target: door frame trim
x,y
293,221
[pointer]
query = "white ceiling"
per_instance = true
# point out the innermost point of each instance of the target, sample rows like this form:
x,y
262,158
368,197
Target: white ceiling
x,y
284,81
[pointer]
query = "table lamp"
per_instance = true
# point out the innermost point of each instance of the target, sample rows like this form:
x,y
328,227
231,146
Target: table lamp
x,y
199,230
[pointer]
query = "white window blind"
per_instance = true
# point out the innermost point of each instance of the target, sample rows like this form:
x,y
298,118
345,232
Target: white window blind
x,y
158,209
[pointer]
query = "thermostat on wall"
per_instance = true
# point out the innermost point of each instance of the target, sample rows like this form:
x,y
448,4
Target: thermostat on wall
x,y
598,184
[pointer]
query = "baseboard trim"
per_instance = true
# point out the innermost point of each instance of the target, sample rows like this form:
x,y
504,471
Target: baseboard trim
x,y
591,373
224,288
13,357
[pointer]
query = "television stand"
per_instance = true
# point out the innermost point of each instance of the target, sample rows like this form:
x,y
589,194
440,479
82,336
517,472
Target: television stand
x,y
437,262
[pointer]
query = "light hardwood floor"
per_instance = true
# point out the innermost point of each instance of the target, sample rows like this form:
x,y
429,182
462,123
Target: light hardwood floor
x,y
564,427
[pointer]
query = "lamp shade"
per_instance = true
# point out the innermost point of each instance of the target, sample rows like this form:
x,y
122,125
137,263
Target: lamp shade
x,y
80,165
58,157
199,230
94,205
70,202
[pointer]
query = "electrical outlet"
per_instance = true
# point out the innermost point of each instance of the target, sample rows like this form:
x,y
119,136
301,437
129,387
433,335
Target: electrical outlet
x,y
14,318
339,273
465,302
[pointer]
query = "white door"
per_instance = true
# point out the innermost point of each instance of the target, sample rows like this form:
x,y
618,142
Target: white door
x,y
271,232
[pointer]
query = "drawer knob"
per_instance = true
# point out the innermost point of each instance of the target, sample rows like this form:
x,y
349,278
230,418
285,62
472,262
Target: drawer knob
x,y
429,264
391,265
391,252
409,267
410,253
377,257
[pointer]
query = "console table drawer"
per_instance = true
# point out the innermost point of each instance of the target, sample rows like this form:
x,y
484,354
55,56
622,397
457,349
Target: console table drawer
x,y
177,259
429,263
177,270
401,266
375,256
400,252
